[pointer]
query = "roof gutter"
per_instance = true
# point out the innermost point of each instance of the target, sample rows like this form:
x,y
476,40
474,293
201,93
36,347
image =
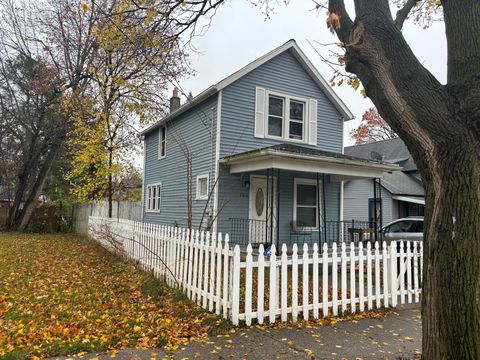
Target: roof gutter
x,y
268,153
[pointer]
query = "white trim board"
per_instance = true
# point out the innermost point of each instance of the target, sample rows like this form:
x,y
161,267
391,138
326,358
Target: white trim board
x,y
410,199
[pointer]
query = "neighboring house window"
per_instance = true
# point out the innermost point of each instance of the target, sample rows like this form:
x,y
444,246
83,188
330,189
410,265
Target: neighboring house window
x,y
162,142
305,212
286,117
202,187
153,202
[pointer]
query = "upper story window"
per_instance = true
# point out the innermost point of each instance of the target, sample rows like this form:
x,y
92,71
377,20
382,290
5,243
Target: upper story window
x,y
297,119
275,116
153,198
162,142
286,117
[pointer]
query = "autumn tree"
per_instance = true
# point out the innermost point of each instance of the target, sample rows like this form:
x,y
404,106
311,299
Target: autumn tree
x,y
440,124
372,128
60,35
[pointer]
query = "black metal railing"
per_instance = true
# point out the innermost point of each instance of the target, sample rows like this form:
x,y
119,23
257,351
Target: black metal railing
x,y
249,231
255,232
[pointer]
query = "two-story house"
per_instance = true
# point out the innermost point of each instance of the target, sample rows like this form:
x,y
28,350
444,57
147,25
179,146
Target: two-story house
x,y
263,152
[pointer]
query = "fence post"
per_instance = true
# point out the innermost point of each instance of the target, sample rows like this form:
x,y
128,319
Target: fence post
x,y
315,280
273,285
248,285
393,272
305,299
284,267
226,257
325,283
261,283
334,280
236,284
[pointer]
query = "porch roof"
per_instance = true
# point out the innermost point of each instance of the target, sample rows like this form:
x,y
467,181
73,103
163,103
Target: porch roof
x,y
303,159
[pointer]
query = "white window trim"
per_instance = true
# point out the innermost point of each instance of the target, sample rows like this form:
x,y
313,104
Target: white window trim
x,y
160,142
198,196
286,117
300,181
147,198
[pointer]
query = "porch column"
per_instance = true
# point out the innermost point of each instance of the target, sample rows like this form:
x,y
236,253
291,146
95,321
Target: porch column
x,y
324,208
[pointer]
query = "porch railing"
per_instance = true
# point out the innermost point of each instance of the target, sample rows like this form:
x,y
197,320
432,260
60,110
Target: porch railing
x,y
248,231
255,232
349,231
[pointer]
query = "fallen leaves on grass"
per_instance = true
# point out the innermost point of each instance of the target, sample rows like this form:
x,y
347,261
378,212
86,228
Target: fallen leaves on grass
x,y
62,295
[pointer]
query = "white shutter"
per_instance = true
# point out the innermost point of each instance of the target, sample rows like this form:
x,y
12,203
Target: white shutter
x,y
259,112
312,122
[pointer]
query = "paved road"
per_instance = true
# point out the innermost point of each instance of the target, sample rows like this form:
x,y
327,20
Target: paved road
x,y
396,336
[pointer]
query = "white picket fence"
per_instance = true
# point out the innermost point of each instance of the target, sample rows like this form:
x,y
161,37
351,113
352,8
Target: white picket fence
x,y
245,284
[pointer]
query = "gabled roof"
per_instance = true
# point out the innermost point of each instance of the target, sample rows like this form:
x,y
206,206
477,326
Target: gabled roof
x,y
290,45
392,150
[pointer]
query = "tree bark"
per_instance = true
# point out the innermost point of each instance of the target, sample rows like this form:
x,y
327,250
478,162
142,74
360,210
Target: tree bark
x,y
440,124
31,202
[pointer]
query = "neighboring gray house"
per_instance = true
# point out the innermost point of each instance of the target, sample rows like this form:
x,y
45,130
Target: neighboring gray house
x,y
400,193
266,149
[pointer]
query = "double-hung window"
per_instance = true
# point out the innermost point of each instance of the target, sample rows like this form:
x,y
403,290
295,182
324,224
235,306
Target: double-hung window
x,y
153,198
275,115
162,142
305,212
286,117
296,121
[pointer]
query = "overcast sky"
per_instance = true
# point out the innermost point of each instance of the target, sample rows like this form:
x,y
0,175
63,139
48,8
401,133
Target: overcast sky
x,y
239,33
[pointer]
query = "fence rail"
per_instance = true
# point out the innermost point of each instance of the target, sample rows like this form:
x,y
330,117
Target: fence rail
x,y
243,285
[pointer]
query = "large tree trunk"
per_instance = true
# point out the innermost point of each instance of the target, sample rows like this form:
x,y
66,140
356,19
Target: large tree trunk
x,y
441,127
26,214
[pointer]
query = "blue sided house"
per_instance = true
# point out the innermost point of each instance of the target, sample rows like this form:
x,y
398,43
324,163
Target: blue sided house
x,y
259,155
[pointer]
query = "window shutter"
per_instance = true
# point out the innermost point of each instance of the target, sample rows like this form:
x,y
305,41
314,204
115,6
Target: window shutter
x,y
259,112
312,122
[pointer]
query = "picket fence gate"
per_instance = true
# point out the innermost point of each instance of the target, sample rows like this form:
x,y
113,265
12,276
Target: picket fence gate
x,y
246,285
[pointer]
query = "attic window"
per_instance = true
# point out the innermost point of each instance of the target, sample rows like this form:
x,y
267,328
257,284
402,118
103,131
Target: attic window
x,y
162,142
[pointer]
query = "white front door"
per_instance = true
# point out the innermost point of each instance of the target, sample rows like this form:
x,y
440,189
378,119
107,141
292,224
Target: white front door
x,y
261,228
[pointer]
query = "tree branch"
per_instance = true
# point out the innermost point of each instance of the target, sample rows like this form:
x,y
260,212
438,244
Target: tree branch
x,y
346,23
402,14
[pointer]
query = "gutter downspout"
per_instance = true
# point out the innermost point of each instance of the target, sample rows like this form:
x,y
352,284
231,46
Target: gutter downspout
x,y
143,177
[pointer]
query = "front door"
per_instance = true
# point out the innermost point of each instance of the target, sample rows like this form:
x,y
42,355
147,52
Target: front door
x,y
261,228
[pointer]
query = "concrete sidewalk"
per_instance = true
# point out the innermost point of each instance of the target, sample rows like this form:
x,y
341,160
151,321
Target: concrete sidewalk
x,y
395,336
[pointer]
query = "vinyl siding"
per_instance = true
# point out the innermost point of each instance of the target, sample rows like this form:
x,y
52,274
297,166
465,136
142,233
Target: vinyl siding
x,y
282,74
356,195
234,200
196,131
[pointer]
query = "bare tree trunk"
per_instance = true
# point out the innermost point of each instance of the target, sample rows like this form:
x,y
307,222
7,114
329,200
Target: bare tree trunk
x,y
29,207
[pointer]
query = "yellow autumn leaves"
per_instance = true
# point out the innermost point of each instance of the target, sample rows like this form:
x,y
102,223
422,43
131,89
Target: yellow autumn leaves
x,y
62,295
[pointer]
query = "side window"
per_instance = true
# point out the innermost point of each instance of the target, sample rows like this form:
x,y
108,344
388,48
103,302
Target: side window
x,y
202,187
418,226
153,198
400,227
162,142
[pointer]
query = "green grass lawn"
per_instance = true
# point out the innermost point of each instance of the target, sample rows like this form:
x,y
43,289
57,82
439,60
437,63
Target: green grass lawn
x,y
61,294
